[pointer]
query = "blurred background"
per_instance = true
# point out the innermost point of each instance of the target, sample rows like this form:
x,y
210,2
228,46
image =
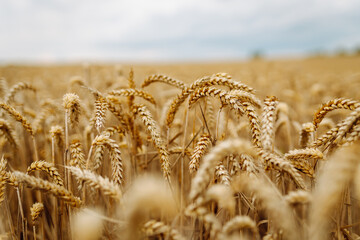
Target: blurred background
x,y
140,31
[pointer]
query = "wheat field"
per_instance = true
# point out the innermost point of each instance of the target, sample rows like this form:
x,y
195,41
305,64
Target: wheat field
x,y
263,149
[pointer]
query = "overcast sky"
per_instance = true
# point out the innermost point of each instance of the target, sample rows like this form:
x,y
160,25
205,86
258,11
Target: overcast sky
x,y
173,30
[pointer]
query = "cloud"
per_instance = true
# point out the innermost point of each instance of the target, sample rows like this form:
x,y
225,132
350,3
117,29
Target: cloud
x,y
162,30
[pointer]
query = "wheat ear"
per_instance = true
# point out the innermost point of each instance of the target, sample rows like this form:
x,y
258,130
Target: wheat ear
x,y
47,167
133,92
3,178
216,79
109,188
57,133
164,79
239,223
153,131
15,89
3,87
338,103
272,201
306,134
336,175
71,103
115,108
101,106
154,228
273,161
36,210
222,175
347,125
148,196
18,117
200,149
46,186
298,197
205,172
9,133
115,156
77,156
267,122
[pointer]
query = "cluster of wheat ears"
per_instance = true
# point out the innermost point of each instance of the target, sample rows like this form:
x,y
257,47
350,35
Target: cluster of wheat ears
x,y
202,165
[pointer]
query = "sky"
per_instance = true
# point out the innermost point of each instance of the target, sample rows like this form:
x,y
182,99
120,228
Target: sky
x,y
173,30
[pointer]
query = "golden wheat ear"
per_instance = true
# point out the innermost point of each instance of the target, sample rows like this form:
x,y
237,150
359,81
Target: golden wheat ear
x,y
71,103
95,181
9,97
154,133
337,103
18,117
164,79
272,202
200,149
49,168
268,122
48,187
